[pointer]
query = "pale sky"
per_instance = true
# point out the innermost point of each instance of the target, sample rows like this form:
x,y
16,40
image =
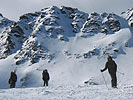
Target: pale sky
x,y
12,9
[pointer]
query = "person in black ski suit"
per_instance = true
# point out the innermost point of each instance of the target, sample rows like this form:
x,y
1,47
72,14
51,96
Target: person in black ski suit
x,y
112,69
12,80
45,77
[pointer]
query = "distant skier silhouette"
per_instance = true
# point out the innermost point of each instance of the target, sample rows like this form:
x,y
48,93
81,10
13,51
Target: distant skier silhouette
x,y
45,77
12,80
112,69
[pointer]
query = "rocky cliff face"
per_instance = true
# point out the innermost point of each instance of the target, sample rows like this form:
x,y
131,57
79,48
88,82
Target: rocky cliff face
x,y
104,23
11,37
128,15
28,36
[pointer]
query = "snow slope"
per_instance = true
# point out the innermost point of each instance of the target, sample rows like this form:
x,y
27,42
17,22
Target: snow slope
x,y
80,92
69,74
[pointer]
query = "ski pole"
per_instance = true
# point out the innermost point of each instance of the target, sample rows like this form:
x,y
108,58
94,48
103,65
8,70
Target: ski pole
x,y
104,81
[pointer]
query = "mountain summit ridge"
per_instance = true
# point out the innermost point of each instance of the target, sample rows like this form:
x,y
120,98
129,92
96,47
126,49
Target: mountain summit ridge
x,y
28,38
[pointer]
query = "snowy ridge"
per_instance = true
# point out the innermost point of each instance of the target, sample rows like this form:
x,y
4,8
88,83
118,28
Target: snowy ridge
x,y
65,22
51,22
58,23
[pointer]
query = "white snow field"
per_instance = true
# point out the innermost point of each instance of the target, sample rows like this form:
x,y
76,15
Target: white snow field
x,y
68,92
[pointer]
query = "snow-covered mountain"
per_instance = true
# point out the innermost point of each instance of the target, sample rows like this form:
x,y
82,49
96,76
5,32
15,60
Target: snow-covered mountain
x,y
62,23
71,44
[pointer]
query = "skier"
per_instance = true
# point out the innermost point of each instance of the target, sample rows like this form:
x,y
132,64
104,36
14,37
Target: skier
x,y
12,80
112,69
45,77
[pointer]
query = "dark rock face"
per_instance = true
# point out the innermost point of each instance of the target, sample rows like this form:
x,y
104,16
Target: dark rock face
x,y
11,37
128,15
104,23
31,51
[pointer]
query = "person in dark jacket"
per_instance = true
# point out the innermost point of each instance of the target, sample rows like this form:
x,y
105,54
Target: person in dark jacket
x,y
12,80
45,77
112,69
